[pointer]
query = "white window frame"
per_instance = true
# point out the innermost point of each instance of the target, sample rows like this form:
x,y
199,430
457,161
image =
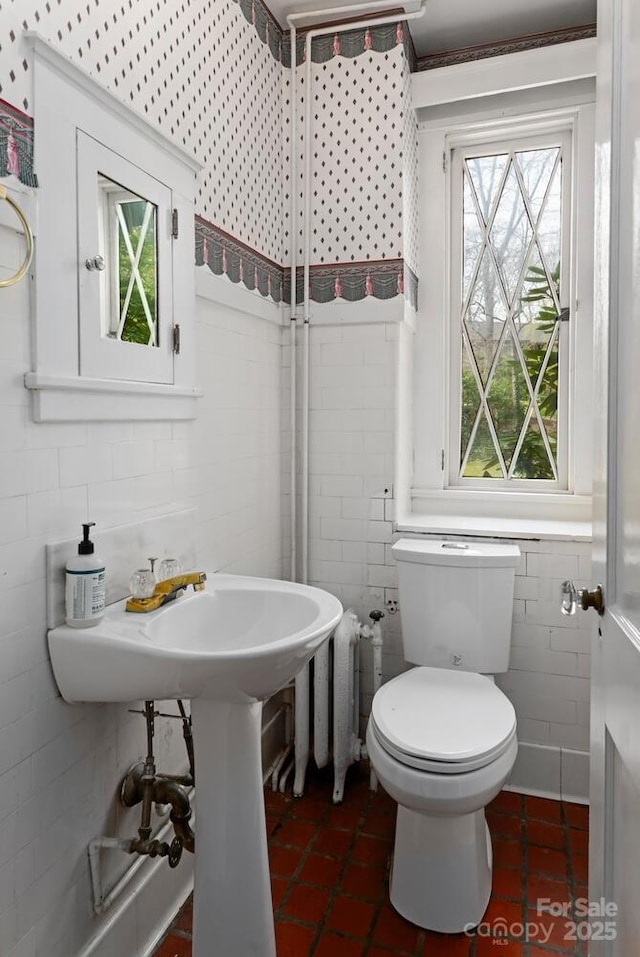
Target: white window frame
x,y
426,499
515,137
79,374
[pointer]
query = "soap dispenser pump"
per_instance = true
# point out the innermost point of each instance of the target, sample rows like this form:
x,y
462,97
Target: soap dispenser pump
x,y
85,584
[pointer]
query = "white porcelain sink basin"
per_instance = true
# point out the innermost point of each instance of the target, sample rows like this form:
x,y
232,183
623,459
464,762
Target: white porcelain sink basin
x,y
227,648
241,639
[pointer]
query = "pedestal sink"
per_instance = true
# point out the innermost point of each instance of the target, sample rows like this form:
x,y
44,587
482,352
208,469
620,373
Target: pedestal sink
x,y
227,648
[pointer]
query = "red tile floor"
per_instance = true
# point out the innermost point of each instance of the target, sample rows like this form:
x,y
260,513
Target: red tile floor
x,y
329,869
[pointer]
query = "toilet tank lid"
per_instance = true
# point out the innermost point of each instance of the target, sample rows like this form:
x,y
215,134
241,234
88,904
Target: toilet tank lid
x,y
471,554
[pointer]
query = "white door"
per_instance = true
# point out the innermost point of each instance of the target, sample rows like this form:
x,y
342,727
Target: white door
x,y
614,860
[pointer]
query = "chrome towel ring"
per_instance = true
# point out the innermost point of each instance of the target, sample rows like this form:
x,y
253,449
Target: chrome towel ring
x,y
24,268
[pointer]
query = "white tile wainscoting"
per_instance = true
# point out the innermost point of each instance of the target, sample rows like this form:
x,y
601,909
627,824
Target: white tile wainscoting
x,y
61,765
352,447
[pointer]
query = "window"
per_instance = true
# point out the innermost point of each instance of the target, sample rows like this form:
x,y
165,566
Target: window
x,y
510,276
499,402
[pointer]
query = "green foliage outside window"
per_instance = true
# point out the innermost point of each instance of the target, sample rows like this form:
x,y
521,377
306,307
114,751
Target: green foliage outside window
x,y
509,397
136,324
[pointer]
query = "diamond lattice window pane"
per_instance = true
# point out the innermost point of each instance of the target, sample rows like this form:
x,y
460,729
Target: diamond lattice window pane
x,y
550,224
510,292
470,401
536,318
486,315
548,397
536,167
473,232
509,398
511,234
483,460
486,174
533,459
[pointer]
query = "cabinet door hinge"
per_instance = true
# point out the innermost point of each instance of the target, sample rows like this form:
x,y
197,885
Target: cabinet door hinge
x,y
174,223
444,161
442,460
176,339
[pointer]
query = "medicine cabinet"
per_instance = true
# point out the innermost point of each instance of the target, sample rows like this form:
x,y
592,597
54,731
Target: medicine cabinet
x,y
115,266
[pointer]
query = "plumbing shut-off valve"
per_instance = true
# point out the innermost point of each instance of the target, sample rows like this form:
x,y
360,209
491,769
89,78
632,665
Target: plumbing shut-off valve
x,y
142,784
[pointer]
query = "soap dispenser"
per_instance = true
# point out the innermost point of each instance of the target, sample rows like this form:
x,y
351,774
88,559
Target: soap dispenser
x,y
85,584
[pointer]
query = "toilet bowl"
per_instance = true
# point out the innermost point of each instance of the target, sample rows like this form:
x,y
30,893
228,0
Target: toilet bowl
x,y
442,744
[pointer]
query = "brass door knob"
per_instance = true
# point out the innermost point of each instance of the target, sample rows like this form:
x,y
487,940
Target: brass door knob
x,y
571,597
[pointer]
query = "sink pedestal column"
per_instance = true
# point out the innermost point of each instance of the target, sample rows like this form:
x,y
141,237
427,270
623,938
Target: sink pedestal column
x,y
233,913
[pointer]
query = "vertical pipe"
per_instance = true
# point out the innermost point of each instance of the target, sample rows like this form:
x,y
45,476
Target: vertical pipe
x,y
306,251
302,731
294,286
376,646
293,457
304,577
355,703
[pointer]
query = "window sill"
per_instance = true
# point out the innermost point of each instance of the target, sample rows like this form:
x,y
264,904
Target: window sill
x,y
519,516
66,399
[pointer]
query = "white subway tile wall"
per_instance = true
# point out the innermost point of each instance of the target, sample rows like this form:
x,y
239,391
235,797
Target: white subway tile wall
x,y
352,408
61,765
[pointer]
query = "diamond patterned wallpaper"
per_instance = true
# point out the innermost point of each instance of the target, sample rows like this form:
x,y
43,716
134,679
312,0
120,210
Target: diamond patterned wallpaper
x,y
357,164
242,192
197,68
210,74
364,167
409,175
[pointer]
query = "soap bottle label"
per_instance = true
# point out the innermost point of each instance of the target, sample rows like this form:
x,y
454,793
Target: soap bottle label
x,y
85,594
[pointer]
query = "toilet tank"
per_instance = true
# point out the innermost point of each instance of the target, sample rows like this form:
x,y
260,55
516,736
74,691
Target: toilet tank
x,y
456,603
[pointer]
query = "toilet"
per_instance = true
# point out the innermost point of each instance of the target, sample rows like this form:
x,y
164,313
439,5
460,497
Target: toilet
x,y
442,736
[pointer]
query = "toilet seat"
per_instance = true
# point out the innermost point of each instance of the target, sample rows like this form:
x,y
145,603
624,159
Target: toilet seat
x,y
446,722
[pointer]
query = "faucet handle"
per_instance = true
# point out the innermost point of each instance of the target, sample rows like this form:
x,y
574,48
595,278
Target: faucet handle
x,y
168,568
142,583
